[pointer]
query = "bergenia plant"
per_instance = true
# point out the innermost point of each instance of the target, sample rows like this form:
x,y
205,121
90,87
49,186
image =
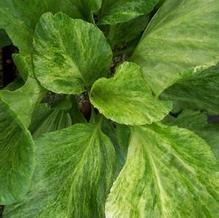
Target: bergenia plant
x,y
108,115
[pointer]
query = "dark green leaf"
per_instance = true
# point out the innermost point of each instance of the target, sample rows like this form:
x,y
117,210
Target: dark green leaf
x,y
45,119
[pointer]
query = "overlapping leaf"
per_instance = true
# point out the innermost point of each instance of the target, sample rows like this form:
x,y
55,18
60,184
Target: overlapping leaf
x,y
118,11
182,36
123,34
127,99
23,100
16,146
198,90
169,172
69,54
75,168
22,15
16,156
198,122
45,119
88,7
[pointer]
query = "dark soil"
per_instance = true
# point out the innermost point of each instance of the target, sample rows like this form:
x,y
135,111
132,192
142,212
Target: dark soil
x,y
7,68
1,210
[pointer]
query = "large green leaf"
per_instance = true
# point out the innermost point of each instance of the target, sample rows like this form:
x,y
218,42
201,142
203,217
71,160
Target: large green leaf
x,y
198,90
182,36
69,54
23,15
16,156
74,172
169,172
118,11
126,98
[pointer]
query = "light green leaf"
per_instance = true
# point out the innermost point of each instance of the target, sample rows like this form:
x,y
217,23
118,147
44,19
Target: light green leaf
x,y
119,11
16,156
23,100
70,54
74,172
198,122
198,90
45,119
169,173
127,99
23,15
182,36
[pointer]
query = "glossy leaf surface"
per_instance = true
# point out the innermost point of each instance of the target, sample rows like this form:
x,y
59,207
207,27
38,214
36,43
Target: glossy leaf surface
x,y
127,99
69,54
118,11
182,36
23,15
16,156
198,90
169,172
74,172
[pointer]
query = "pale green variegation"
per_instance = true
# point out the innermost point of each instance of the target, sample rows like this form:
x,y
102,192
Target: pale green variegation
x,y
16,156
19,17
198,90
23,100
169,172
197,122
69,54
16,145
127,99
181,37
74,172
119,11
45,119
